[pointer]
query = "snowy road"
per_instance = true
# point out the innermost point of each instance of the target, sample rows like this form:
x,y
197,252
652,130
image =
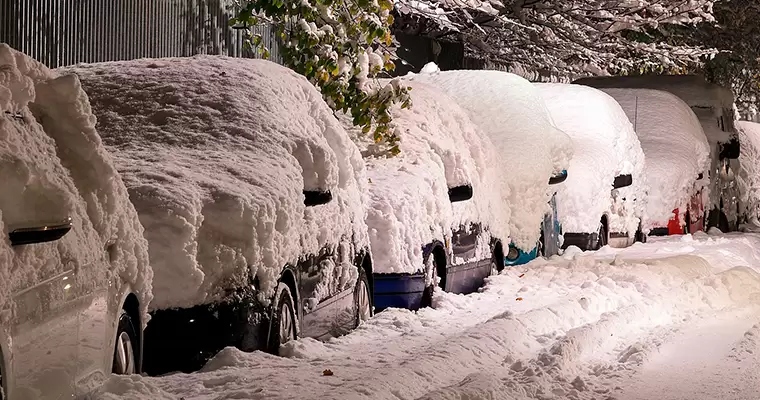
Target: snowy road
x,y
671,319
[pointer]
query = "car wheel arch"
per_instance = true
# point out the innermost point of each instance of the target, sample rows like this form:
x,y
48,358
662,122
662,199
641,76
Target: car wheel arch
x,y
131,305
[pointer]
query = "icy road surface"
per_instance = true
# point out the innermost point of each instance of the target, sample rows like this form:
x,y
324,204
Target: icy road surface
x,y
676,318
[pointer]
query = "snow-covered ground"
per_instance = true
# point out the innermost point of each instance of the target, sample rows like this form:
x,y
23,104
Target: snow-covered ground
x,y
675,318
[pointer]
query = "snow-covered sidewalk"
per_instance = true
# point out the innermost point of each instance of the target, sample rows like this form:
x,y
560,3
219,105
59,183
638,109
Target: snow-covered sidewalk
x,y
674,319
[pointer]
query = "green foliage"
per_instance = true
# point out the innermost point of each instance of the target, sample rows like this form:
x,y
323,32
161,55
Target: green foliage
x,y
341,46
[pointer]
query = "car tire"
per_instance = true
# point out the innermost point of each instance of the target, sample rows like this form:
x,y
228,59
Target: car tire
x,y
602,240
362,298
126,347
283,327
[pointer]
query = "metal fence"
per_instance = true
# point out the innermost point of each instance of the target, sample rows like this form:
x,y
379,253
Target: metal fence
x,y
65,32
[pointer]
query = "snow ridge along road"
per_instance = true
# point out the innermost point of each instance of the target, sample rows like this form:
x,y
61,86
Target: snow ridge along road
x,y
676,318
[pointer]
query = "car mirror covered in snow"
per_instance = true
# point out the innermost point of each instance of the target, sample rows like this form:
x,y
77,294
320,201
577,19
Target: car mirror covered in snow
x,y
460,193
558,178
316,197
622,181
40,234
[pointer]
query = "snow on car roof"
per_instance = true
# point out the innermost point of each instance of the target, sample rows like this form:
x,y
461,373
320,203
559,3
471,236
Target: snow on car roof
x,y
509,110
409,204
53,166
605,146
216,152
674,144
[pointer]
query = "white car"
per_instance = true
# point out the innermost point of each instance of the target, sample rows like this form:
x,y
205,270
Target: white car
x,y
533,154
677,159
602,200
252,196
437,211
75,282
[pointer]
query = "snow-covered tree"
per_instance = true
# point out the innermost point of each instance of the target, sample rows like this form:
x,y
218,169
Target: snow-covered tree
x,y
564,37
340,46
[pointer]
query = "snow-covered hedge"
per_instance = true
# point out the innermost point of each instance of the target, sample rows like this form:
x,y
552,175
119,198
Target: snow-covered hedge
x,y
511,113
409,203
53,166
675,147
216,152
749,137
605,146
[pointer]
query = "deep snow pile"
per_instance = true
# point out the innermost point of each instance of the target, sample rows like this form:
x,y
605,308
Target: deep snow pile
x,y
749,137
675,148
508,109
53,166
605,146
409,203
576,327
216,152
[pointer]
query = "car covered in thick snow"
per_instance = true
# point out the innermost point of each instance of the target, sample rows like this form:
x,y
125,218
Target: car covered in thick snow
x,y
75,281
533,155
749,137
713,106
677,159
437,216
602,200
252,196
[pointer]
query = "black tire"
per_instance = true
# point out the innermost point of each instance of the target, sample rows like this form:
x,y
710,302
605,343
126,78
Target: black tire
x,y
602,239
283,306
723,223
126,349
687,226
364,311
497,262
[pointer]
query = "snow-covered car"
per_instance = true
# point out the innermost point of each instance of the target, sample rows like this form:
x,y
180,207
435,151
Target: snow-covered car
x,y
252,196
75,281
602,200
713,106
437,214
677,159
533,155
749,137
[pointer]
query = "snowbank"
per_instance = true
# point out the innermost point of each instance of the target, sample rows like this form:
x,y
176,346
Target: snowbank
x,y
409,203
216,152
605,146
675,148
509,110
53,166
749,137
570,328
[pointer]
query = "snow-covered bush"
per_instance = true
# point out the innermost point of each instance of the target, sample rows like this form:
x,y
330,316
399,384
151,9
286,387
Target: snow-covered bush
x,y
339,45
605,146
675,148
511,113
749,137
409,203
53,166
216,152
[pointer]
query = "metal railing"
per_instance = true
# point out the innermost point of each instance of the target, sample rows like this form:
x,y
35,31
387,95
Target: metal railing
x,y
65,32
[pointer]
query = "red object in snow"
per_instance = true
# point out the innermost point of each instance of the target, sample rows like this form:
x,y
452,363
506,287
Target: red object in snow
x,y
696,217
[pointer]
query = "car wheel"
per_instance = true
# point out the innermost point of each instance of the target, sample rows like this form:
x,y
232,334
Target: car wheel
x,y
602,240
362,298
283,326
540,251
497,261
124,360
687,226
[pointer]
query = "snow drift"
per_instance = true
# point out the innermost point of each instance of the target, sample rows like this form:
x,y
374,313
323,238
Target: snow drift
x,y
675,148
511,113
409,203
216,152
54,166
605,146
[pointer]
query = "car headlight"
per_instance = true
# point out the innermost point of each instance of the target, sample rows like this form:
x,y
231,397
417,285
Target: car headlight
x,y
513,254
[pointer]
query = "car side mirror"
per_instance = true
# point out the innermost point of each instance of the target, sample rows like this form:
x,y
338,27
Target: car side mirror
x,y
558,178
460,193
40,234
730,149
316,197
622,181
